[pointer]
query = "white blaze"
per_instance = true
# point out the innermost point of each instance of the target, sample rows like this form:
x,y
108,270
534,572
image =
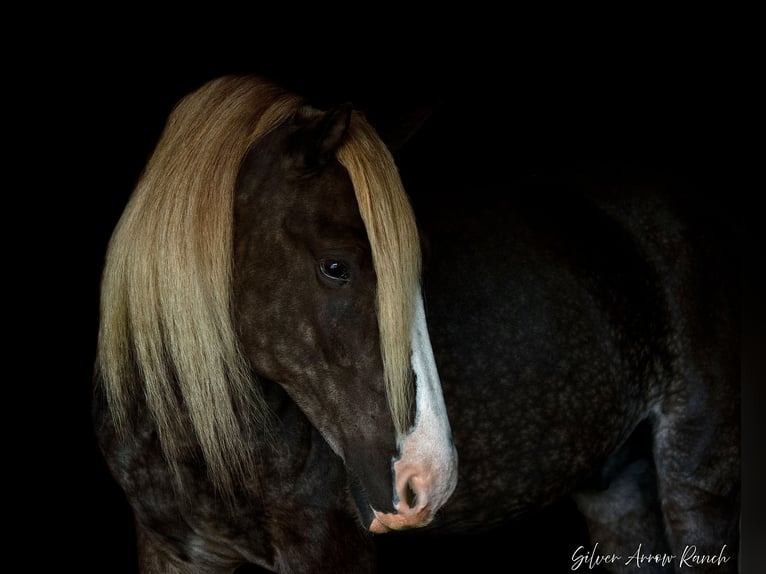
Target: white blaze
x,y
427,462
426,452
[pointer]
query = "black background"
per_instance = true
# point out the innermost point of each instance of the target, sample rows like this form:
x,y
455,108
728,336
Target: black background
x,y
673,102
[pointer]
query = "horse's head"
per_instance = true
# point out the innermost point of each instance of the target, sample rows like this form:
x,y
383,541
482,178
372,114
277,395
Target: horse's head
x,y
307,285
268,238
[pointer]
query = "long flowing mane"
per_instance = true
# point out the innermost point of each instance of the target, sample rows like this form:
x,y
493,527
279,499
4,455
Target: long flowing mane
x,y
167,336
393,236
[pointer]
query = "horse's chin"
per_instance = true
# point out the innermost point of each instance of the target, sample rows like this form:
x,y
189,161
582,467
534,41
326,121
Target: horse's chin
x,y
364,509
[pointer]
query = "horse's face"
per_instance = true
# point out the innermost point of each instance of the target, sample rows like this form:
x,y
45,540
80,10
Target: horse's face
x,y
305,297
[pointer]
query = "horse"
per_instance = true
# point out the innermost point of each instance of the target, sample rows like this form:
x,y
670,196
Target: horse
x,y
265,389
585,339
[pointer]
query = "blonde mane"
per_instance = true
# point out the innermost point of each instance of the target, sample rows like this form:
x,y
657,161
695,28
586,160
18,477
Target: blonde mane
x,y
393,236
166,331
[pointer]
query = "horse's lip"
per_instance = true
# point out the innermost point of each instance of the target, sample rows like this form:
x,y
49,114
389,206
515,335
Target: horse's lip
x,y
404,519
377,527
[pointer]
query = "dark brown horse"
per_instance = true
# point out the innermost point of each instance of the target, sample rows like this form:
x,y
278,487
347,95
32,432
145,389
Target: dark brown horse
x,y
585,334
260,302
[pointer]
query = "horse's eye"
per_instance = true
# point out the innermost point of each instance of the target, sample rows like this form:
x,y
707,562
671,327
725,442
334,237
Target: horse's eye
x,y
334,269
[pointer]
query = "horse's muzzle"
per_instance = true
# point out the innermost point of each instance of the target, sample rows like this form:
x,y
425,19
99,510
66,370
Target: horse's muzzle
x,y
421,490
412,509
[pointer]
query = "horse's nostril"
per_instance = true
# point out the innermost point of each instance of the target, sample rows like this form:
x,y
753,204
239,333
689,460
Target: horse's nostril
x,y
410,496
